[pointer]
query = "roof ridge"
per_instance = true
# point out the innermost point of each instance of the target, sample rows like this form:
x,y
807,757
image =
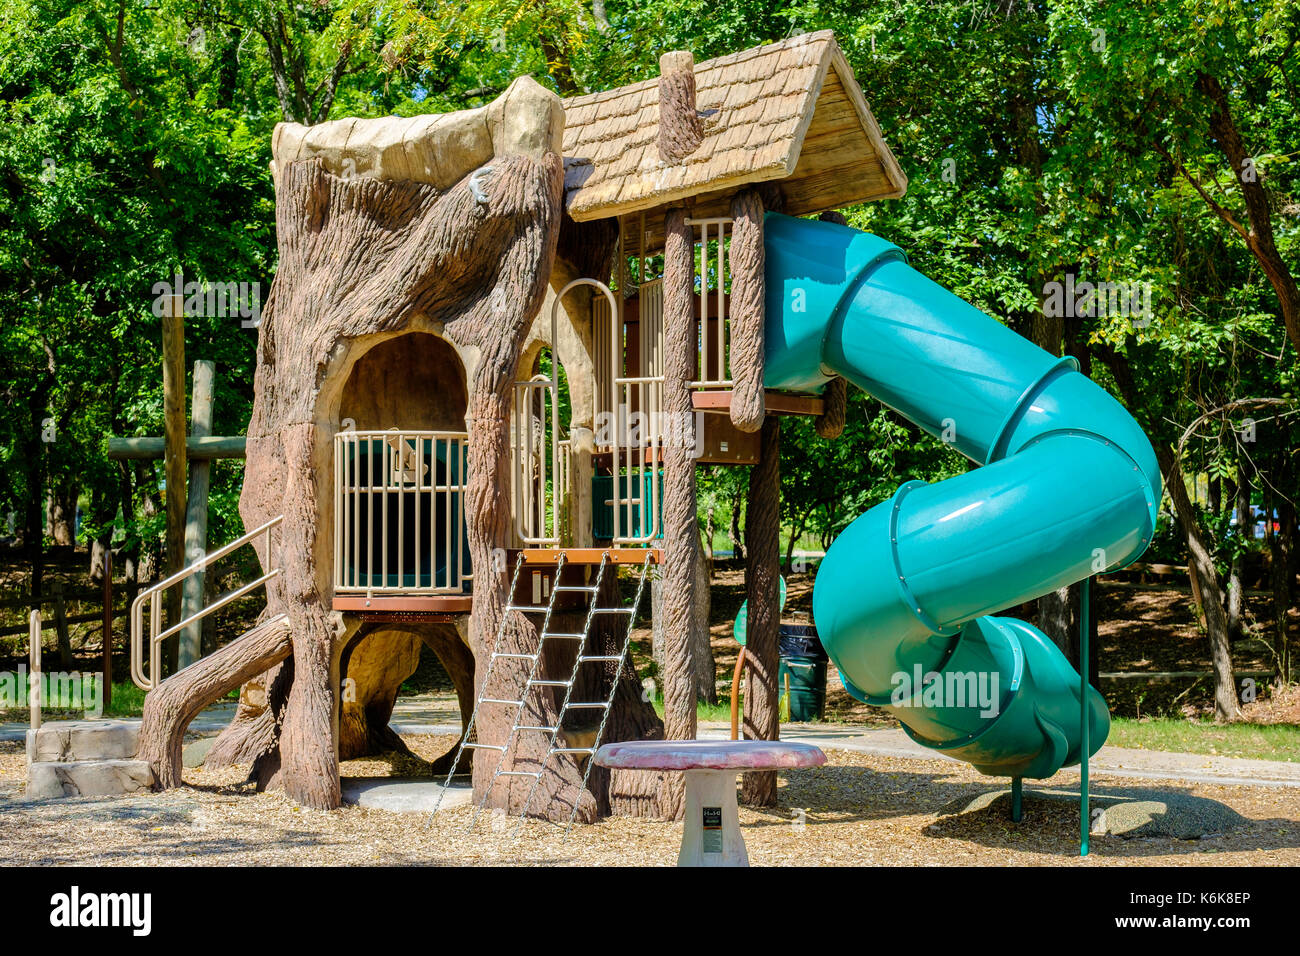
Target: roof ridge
x,y
725,59
758,106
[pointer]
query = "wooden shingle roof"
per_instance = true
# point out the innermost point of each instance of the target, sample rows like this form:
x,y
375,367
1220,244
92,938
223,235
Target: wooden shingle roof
x,y
790,111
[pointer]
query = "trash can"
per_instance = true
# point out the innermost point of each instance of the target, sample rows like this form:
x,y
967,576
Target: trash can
x,y
802,675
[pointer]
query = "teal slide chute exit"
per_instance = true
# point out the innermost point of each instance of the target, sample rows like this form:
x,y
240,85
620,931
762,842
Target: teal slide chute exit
x,y
1068,487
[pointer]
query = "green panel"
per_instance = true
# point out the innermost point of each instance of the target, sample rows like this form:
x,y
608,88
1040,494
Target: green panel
x,y
602,513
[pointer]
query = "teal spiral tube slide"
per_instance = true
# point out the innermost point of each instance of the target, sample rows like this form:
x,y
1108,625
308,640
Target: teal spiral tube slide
x,y
1068,487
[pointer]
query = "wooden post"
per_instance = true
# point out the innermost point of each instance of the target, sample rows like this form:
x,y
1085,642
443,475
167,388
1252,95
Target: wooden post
x,y
34,667
196,516
61,626
107,693
173,342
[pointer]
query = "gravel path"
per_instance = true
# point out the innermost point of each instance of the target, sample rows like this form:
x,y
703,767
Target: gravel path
x,y
858,809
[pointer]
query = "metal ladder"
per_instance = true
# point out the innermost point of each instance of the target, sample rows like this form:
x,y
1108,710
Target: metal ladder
x,y
534,659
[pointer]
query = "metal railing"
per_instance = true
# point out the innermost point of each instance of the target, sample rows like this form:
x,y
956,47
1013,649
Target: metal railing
x,y
399,512
634,429
536,486
153,597
715,343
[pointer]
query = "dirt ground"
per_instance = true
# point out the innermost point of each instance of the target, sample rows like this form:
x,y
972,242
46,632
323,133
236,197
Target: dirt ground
x,y
1136,631
857,810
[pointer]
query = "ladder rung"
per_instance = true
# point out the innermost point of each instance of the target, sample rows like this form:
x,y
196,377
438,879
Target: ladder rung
x,y
574,750
498,700
549,683
518,773
549,730
600,657
586,705
517,657
565,636
477,746
585,589
612,610
527,608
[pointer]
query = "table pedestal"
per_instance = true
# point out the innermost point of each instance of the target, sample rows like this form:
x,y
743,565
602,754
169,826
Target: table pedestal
x,y
711,832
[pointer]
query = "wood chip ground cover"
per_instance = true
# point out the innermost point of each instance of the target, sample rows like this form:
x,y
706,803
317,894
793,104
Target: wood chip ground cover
x,y
857,810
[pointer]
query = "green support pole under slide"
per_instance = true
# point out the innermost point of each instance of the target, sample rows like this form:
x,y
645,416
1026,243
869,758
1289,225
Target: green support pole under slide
x,y
1083,689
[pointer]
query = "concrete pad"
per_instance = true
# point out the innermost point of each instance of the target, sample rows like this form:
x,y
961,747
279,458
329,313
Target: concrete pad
x,y
404,794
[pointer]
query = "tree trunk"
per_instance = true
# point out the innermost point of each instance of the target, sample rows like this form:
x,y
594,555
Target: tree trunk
x,y
747,311
733,530
1258,234
1282,570
169,708
61,516
1058,610
1209,589
1058,618
368,255
1236,589
706,678
710,529
681,530
762,586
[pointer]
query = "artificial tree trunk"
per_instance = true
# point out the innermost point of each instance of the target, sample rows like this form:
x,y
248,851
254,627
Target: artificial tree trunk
x,y
374,244
169,708
747,312
763,623
374,663
681,535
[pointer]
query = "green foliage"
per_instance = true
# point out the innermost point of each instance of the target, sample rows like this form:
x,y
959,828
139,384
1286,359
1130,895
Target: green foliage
x,y
1038,140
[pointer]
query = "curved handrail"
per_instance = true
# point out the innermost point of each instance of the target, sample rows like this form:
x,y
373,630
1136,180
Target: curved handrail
x,y
153,593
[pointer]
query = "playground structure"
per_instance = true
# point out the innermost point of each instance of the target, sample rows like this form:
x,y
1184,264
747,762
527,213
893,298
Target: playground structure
x,y
476,401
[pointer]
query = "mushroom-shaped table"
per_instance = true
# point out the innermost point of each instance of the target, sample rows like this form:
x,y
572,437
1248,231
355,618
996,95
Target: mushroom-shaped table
x,y
711,835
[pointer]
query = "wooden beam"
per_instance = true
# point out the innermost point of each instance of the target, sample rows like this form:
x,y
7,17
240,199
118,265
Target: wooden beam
x,y
549,556
196,512
778,403
404,603
106,652
215,446
173,347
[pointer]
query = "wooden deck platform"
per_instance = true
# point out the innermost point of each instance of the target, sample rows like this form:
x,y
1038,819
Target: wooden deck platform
x,y
403,607
550,556
448,607
777,403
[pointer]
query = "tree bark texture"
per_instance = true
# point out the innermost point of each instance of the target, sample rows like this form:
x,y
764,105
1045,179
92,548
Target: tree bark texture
x,y
681,538
369,256
748,312
1209,592
680,128
762,591
169,708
